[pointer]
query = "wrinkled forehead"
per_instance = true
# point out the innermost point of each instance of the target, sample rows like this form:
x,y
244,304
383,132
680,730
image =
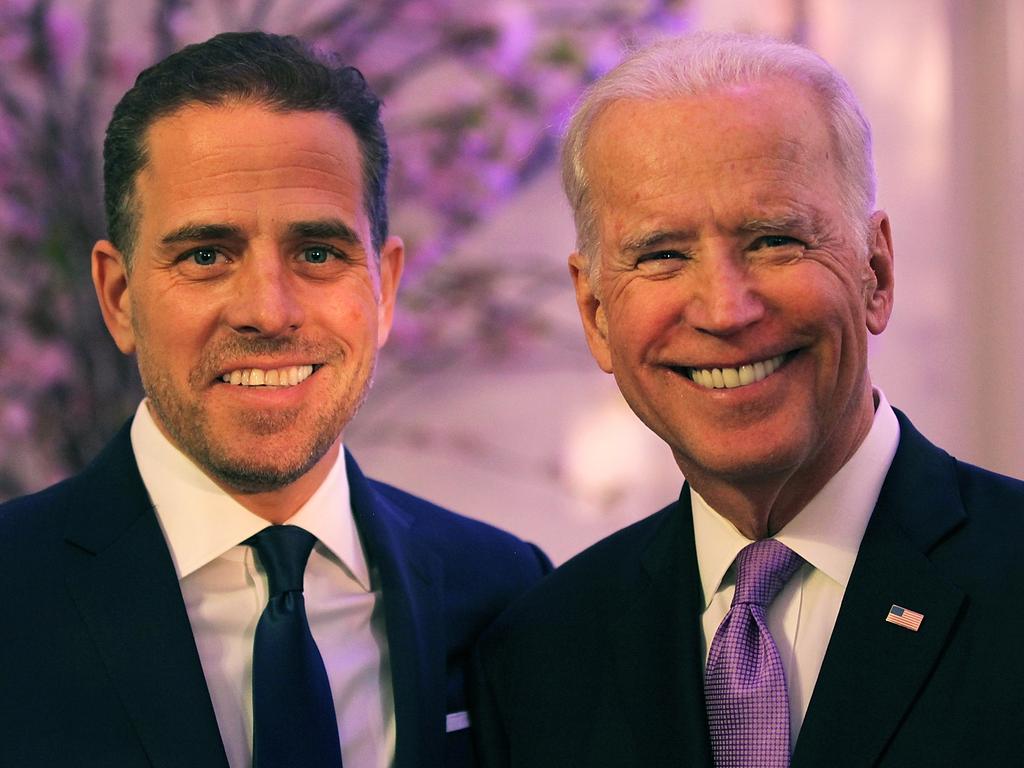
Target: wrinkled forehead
x,y
778,119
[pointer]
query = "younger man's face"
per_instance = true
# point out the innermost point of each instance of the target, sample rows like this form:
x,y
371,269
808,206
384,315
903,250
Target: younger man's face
x,y
254,303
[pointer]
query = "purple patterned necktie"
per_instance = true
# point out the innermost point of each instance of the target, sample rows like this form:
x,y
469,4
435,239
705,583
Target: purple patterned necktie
x,y
744,684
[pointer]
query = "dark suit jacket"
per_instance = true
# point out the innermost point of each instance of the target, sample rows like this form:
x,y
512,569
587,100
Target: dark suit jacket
x,y
98,666
602,664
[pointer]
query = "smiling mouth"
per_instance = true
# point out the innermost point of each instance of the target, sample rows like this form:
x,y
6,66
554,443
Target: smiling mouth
x,y
269,377
730,378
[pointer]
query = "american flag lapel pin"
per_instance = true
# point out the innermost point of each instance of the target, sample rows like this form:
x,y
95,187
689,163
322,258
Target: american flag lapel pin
x,y
904,617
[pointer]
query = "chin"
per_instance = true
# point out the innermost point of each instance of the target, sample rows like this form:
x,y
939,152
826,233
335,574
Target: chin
x,y
757,461
257,465
248,476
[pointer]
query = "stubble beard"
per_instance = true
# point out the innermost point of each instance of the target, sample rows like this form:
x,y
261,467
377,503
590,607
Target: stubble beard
x,y
188,424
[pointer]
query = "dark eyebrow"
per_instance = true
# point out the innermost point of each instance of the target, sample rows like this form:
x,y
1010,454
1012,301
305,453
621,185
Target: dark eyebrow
x,y
656,238
325,229
194,232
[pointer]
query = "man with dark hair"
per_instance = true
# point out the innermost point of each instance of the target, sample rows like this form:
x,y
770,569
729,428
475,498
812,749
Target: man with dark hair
x,y
222,586
830,589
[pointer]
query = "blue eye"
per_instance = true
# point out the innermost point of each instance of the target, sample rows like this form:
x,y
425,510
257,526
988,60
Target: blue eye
x,y
317,254
204,257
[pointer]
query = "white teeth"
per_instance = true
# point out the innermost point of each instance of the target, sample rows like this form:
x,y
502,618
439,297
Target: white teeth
x,y
277,377
729,378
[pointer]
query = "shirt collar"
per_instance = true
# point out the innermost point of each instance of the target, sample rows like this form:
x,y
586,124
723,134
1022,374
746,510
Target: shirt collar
x,y
201,522
827,532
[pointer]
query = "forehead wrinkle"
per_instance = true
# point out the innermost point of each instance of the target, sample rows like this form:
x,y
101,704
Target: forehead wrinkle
x,y
209,175
779,166
306,157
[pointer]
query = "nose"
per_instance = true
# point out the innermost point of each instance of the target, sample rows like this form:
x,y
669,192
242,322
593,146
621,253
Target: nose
x,y
725,300
264,299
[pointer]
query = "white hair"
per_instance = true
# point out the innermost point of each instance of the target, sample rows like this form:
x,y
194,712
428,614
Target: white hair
x,y
700,63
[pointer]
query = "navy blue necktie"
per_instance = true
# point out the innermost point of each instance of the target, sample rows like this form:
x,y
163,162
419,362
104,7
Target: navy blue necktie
x,y
294,724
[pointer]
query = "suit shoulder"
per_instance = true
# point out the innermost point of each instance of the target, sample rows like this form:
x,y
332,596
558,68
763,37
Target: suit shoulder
x,y
36,513
617,551
32,532
994,505
929,465
48,511
976,481
482,569
579,591
463,540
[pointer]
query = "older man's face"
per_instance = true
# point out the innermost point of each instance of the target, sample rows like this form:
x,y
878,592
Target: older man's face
x,y
733,300
254,304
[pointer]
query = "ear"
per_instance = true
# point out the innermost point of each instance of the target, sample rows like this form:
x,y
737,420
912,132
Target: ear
x,y
110,279
392,262
879,275
592,313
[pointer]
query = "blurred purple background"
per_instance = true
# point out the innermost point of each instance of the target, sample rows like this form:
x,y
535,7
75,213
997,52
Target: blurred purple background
x,y
486,398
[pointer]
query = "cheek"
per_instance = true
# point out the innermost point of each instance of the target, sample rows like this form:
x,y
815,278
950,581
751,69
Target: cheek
x,y
354,318
636,345
647,315
812,293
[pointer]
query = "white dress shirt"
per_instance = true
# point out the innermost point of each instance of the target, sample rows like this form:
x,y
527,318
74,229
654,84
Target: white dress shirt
x,y
827,535
225,593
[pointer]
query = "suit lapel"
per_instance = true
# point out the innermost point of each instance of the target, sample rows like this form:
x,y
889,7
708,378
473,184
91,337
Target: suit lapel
x,y
122,580
412,585
657,647
873,670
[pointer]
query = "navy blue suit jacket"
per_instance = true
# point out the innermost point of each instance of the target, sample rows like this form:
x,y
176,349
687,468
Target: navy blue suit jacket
x,y
98,666
602,664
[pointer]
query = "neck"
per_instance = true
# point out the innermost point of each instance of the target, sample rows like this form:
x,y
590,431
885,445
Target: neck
x,y
279,505
760,504
757,509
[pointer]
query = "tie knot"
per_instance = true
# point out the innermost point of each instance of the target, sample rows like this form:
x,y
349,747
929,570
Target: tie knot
x,y
283,550
762,568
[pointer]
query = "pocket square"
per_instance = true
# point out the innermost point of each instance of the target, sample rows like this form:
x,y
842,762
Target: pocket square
x,y
456,721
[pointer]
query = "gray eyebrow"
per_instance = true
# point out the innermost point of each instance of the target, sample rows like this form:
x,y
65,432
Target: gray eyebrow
x,y
656,238
786,222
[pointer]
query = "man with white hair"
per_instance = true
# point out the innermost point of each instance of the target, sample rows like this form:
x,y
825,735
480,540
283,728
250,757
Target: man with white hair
x,y
830,588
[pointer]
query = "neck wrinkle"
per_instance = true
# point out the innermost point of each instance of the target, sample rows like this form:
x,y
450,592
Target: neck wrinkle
x,y
760,507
